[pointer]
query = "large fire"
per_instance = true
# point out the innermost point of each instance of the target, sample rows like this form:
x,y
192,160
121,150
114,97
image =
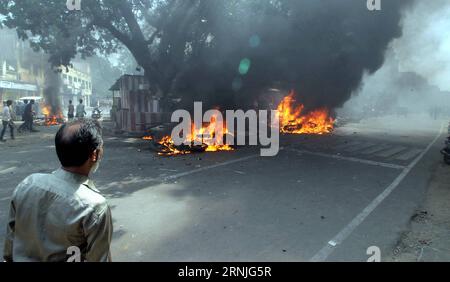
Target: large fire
x,y
293,120
206,136
50,117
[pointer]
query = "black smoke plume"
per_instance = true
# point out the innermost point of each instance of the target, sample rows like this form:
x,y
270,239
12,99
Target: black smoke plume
x,y
319,48
52,91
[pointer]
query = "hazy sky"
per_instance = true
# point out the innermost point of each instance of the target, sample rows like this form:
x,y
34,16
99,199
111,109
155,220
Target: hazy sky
x,y
424,47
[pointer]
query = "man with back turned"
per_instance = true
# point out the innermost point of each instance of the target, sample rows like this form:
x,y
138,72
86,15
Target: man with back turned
x,y
52,213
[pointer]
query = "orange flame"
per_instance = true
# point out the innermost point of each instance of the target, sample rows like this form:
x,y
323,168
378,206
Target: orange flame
x,y
51,119
294,121
206,136
46,110
169,148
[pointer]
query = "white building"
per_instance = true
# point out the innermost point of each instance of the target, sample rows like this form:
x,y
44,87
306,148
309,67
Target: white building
x,y
77,83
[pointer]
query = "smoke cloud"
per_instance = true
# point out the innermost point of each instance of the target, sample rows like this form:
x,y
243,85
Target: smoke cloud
x,y
319,48
415,73
52,91
424,47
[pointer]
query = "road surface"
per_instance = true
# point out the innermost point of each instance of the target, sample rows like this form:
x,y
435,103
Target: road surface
x,y
322,198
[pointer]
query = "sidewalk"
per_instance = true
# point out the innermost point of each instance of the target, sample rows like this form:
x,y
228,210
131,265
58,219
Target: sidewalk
x,y
428,239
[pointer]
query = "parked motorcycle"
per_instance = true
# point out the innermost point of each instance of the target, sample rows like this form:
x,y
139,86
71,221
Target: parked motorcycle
x,y
96,114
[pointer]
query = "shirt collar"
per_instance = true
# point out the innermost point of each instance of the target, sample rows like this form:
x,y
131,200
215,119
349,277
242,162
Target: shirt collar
x,y
75,178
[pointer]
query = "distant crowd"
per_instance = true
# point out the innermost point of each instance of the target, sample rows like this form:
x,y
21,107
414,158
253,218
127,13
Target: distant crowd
x,y
28,113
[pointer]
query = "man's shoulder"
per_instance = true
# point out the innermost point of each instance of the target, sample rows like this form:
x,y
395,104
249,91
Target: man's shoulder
x,y
84,192
92,198
32,181
38,179
35,178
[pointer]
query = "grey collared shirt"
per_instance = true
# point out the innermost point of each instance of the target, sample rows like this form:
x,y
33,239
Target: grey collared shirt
x,y
51,212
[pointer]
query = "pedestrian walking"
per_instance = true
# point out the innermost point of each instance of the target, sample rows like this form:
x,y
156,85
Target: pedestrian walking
x,y
24,125
81,113
7,121
71,111
29,115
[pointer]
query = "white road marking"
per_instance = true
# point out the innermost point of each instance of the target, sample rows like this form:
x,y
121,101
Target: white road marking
x,y
31,151
390,152
170,170
325,252
131,140
176,176
409,155
351,159
5,199
8,170
359,147
163,178
375,149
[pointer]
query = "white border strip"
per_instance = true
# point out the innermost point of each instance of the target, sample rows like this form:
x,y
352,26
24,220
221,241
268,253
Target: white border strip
x,y
342,158
325,252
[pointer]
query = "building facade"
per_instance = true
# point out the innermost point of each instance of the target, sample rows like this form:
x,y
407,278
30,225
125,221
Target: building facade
x,y
22,71
77,82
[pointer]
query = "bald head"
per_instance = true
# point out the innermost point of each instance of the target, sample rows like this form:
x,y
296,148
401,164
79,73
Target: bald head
x,y
76,141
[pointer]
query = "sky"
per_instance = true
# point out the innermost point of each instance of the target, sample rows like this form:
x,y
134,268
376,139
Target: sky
x,y
417,64
424,47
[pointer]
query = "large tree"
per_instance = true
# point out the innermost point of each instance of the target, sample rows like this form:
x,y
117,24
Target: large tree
x,y
221,50
156,32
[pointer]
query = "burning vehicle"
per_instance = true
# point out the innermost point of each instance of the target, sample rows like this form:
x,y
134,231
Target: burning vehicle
x,y
45,114
208,138
52,116
51,104
200,140
293,119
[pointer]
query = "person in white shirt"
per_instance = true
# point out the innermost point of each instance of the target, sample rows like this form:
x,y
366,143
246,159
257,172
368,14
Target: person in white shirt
x,y
80,112
7,121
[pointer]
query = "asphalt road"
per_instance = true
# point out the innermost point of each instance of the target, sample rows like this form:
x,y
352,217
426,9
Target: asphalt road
x,y
321,198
